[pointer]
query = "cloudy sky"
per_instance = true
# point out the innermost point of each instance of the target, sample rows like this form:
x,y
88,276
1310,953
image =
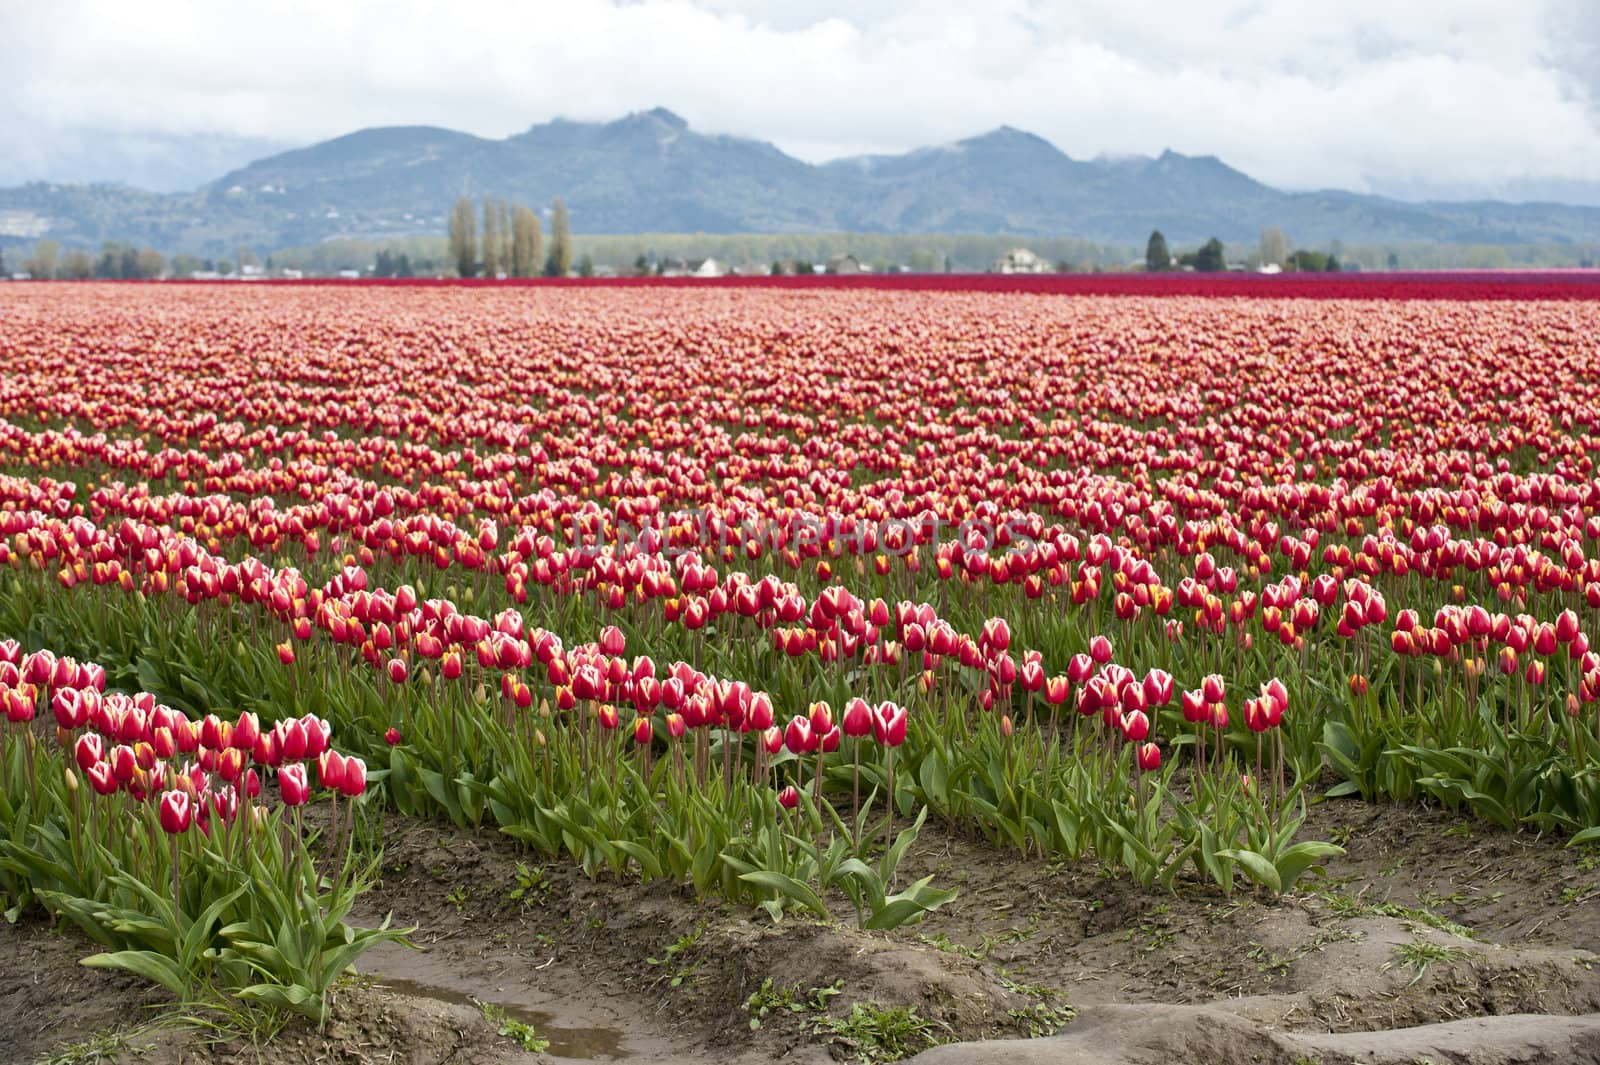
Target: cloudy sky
x,y
1411,98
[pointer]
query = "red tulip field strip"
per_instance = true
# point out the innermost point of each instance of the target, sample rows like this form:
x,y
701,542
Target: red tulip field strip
x,y
1430,285
735,586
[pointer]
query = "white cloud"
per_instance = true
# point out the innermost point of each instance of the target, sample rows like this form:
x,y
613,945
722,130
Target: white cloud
x,y
1463,97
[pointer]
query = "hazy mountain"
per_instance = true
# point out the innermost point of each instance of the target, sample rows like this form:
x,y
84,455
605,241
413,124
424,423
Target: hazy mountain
x,y
649,172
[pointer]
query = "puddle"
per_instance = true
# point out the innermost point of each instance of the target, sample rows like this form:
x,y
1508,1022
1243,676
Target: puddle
x,y
601,1044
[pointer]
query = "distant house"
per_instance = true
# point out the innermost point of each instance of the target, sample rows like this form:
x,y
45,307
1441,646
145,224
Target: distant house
x,y
1019,261
708,268
1269,268
844,264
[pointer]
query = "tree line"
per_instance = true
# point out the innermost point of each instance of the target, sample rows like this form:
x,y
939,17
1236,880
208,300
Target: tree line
x,y
1211,257
510,240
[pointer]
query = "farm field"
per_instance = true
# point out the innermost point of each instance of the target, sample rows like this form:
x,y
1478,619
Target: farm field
x,y
748,672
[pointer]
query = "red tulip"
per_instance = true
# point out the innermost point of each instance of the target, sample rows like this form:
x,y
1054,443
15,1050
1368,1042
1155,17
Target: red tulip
x,y
292,785
1149,756
1100,650
330,770
354,781
175,813
392,737
789,797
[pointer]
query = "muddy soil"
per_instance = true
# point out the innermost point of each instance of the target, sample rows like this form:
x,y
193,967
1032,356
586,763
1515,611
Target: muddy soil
x,y
1479,945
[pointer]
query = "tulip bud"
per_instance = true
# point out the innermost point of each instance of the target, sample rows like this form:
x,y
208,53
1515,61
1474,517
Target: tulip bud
x,y
354,782
175,813
789,797
392,737
1100,650
292,785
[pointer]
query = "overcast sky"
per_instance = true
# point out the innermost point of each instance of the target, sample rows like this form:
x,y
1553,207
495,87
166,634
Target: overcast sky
x,y
1405,97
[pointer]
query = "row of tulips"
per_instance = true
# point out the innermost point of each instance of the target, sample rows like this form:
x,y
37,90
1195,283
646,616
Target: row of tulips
x,y
838,627
456,760
174,857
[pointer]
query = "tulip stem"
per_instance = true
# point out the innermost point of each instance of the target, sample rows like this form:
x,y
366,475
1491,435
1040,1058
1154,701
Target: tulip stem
x,y
177,900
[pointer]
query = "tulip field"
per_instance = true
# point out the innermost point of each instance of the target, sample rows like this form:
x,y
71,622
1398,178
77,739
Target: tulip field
x,y
772,599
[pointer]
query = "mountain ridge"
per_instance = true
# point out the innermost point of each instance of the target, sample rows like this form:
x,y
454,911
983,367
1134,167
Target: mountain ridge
x,y
651,171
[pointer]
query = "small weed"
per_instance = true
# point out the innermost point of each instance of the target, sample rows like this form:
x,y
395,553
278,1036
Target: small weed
x,y
1351,906
102,1048
1154,931
1462,830
1017,987
1041,1020
1393,867
458,896
880,1033
1421,954
533,886
675,959
1581,893
769,998
1589,860
1341,836
519,1032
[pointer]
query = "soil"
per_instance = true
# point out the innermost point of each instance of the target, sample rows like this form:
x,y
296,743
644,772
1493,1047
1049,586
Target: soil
x,y
1434,938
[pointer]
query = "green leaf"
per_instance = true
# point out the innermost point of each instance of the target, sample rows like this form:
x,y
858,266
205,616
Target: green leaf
x,y
1294,862
1257,867
156,968
788,887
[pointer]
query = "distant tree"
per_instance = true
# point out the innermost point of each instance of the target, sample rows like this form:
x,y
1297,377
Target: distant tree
x,y
45,260
77,266
109,266
149,263
1332,266
383,265
224,267
777,268
1210,258
184,264
403,267
525,241
641,266
1307,261
3,262
1063,266
464,238
1274,245
491,238
804,267
1156,255
507,237
586,265
560,259
1394,261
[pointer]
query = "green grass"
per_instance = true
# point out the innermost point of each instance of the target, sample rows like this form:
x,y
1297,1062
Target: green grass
x,y
519,1032
874,1033
102,1048
1421,954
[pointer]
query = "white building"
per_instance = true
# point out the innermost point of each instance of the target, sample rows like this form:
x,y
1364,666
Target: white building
x,y
1019,261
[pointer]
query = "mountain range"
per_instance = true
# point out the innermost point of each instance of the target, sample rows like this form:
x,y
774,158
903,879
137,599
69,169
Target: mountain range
x,y
650,172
